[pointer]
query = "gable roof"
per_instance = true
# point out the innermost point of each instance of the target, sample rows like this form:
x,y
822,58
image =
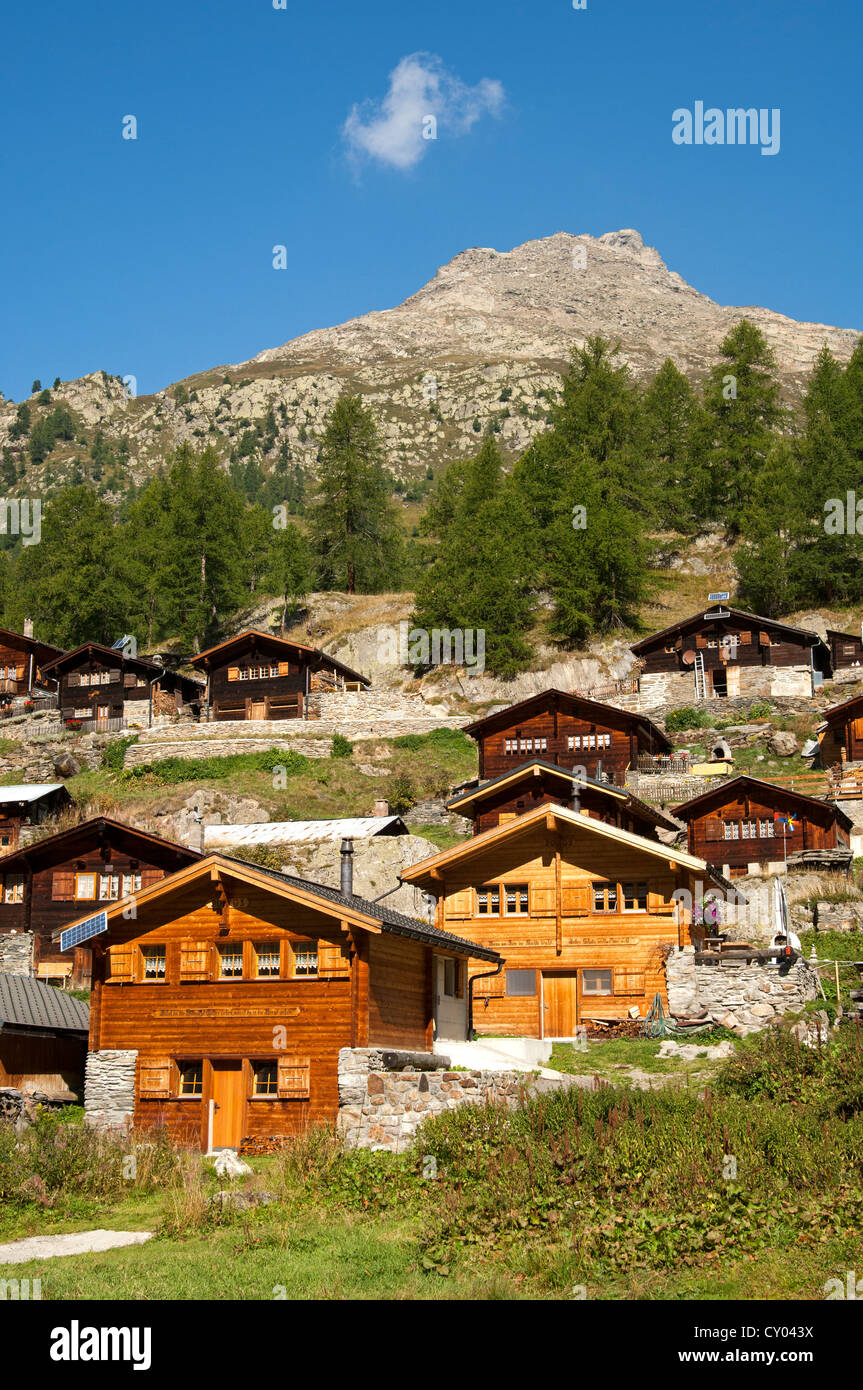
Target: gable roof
x,y
574,703
26,1003
296,649
469,849
114,656
844,708
292,832
59,846
31,791
362,913
538,767
719,611
41,650
726,790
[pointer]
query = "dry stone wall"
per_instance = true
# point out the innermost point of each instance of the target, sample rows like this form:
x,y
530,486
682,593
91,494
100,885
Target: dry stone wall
x,y
745,997
16,953
109,1088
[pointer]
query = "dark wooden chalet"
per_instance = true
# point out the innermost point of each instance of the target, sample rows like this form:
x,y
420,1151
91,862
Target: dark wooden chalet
x,y
566,729
749,826
28,805
105,688
237,986
840,735
43,1037
846,649
258,676
724,651
22,660
52,881
534,783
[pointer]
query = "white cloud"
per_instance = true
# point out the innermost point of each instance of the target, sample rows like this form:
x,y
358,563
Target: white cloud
x,y
391,131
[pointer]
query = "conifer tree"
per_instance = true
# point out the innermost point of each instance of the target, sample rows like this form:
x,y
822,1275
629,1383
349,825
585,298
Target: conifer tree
x,y
743,408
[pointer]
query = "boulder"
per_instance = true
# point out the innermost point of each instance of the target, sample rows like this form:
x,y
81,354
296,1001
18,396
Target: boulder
x,y
782,744
65,765
227,1165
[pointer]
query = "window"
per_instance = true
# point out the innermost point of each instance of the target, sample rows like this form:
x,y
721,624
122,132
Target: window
x,y
5,838
749,830
522,745
266,1079
515,896
604,899
508,745
669,649
573,743
305,954
131,884
766,829
109,887
731,830
85,887
230,962
596,982
711,641
257,673
590,741
13,888
488,902
191,1078
267,960
452,978
521,984
541,745
729,640
154,963
634,897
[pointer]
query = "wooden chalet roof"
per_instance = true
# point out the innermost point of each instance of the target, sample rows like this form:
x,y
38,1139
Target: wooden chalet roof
x,y
57,848
113,656
837,714
359,912
536,767
30,1004
573,704
426,872
43,651
729,789
267,641
720,611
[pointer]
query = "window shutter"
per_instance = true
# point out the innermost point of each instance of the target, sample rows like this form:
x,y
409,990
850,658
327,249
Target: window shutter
x,y
857,728
713,828
151,876
659,895
505,816
575,899
763,639
114,677
542,902
195,960
233,673
460,903
628,982
333,960
129,678
73,678
746,638
700,641
154,1078
121,962
284,668
294,1080
63,887
492,987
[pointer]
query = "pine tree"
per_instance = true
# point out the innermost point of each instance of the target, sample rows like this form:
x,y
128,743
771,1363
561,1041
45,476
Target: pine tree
x,y
743,408
289,569
675,426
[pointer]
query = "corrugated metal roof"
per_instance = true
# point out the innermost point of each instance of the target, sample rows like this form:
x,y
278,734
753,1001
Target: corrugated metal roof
x,y
29,1003
284,832
28,791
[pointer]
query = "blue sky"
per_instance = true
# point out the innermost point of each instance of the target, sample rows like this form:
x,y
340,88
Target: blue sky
x,y
153,257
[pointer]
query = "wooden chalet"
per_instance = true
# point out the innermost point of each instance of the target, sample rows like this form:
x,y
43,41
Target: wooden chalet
x,y
726,652
840,735
258,676
28,804
237,986
104,688
43,1037
535,783
22,660
52,881
582,912
846,649
566,729
746,826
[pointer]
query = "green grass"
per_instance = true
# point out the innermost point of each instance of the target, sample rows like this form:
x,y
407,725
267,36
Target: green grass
x,y
609,1059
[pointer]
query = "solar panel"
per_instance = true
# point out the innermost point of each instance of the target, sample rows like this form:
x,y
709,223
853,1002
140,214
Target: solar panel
x,y
73,936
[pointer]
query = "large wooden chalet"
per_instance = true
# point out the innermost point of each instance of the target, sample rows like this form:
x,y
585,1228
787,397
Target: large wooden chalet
x,y
566,729
582,911
52,881
105,688
258,676
535,783
237,986
746,826
725,652
840,735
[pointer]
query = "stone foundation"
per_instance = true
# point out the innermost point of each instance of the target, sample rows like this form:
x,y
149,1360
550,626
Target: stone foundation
x,y
16,953
738,996
676,688
384,1096
109,1089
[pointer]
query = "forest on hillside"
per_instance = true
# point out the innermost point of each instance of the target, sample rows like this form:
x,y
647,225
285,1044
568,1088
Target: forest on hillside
x,y
576,522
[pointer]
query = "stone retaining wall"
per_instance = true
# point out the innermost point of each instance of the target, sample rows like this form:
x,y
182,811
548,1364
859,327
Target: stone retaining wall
x,y
16,953
744,997
109,1089
383,1103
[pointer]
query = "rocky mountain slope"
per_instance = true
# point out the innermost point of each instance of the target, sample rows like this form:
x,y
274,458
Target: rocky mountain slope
x,y
484,341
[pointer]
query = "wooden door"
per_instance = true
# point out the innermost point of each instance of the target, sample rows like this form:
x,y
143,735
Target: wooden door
x,y
229,1097
257,709
559,1004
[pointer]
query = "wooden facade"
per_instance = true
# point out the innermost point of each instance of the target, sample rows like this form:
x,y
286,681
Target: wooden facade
x,y
43,1037
239,986
258,676
846,649
840,736
727,641
568,730
100,687
582,912
51,882
746,822
22,659
28,805
536,783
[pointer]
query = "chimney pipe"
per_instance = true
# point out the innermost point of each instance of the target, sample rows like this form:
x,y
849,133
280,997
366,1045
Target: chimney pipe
x,y
347,868
28,627
382,808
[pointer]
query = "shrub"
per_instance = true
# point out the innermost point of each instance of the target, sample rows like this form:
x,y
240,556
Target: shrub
x,y
446,740
760,710
170,771
342,747
114,753
401,793
685,718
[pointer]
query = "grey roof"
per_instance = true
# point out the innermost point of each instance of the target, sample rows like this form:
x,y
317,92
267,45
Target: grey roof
x,y
26,1003
29,791
284,832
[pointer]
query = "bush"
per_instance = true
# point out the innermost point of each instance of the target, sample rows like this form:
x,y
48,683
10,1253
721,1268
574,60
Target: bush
x,y
686,718
445,740
170,771
760,710
114,753
342,747
401,793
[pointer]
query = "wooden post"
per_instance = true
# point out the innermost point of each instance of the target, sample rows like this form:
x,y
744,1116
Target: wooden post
x,y
838,996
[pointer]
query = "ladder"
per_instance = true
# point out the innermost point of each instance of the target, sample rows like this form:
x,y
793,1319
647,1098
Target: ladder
x,y
700,677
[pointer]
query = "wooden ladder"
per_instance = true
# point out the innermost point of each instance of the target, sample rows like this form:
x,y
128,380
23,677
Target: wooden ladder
x,y
700,677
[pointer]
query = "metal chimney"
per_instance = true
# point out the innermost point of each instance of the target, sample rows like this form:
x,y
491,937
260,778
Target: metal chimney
x,y
28,627
347,867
